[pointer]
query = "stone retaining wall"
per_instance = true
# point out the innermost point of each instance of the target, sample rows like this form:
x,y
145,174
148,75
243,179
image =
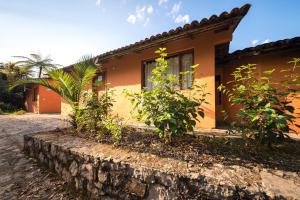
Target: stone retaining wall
x,y
100,170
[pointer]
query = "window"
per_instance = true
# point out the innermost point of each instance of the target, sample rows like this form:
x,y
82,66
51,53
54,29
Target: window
x,y
35,94
178,63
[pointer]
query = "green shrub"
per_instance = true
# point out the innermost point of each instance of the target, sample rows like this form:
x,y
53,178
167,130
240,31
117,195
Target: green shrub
x,y
168,109
19,112
7,107
11,101
266,109
95,118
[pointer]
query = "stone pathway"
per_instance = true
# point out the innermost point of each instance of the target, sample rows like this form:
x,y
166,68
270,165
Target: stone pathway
x,y
20,177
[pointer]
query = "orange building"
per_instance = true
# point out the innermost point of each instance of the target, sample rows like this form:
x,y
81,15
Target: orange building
x,y
274,55
129,67
204,42
42,100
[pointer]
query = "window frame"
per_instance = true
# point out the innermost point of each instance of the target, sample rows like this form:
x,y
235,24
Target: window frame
x,y
170,55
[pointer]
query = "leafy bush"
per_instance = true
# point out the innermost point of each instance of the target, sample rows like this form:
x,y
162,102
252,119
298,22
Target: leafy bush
x,y
19,112
266,109
165,107
7,107
11,101
95,117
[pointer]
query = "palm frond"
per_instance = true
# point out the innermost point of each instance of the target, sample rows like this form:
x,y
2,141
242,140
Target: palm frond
x,y
68,85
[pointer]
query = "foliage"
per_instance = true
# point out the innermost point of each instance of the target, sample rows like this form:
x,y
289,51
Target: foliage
x,y
37,61
165,107
70,86
6,107
12,72
19,112
95,117
266,109
12,100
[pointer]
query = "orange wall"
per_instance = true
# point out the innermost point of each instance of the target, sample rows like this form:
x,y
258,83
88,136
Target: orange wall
x,y
47,101
126,72
269,61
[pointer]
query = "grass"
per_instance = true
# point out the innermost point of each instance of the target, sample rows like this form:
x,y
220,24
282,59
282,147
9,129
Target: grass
x,y
18,112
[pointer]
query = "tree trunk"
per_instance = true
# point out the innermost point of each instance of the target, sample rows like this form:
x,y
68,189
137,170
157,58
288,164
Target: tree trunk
x,y
40,72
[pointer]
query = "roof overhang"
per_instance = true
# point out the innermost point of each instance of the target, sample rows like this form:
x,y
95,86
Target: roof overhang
x,y
285,45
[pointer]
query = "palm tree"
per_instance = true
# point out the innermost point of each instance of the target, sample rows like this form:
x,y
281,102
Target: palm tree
x,y
14,72
70,86
36,61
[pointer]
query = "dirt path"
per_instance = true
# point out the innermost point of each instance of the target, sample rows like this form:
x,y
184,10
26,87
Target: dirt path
x,y
20,177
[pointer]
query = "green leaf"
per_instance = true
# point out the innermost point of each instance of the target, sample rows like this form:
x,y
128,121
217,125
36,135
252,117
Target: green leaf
x,y
268,72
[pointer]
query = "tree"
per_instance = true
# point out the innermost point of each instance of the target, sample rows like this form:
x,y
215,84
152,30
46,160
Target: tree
x,y
36,61
70,86
12,100
13,72
169,110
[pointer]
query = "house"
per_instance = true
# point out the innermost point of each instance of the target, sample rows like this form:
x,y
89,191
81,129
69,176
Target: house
x,y
274,55
40,99
204,42
129,67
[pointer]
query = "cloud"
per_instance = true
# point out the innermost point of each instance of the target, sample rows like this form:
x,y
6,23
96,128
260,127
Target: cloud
x,y
161,2
146,22
178,18
98,2
182,19
131,19
175,9
254,42
141,14
265,41
150,10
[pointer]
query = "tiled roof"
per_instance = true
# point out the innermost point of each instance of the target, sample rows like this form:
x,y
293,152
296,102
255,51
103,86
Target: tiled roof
x,y
238,13
279,45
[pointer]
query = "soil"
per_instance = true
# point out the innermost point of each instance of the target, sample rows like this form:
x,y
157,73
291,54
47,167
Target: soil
x,y
205,151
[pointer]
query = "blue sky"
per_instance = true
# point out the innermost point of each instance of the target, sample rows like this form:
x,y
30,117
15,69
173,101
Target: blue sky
x,y
67,29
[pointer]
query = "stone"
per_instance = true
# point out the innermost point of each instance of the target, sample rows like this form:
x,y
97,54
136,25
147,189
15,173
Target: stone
x,y
102,176
41,157
168,180
57,167
158,192
87,172
73,168
78,183
101,169
66,175
53,150
136,187
105,166
62,157
277,186
98,185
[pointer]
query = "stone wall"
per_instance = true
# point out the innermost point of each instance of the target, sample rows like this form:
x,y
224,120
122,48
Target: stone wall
x,y
100,170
